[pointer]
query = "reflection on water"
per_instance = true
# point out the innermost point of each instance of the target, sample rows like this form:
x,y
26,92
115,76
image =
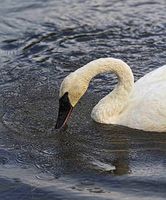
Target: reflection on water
x,y
85,157
41,42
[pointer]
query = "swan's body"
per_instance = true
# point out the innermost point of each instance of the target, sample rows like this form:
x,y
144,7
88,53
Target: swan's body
x,y
140,105
146,109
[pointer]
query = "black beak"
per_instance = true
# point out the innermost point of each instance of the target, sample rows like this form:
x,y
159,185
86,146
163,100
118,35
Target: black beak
x,y
65,109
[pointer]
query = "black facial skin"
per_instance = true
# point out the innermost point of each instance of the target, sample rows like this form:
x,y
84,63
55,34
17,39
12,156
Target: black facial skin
x,y
65,109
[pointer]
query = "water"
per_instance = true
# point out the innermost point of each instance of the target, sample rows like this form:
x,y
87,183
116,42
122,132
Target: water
x,y
40,43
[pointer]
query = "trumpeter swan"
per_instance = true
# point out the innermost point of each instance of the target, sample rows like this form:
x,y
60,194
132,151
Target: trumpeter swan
x,y
139,105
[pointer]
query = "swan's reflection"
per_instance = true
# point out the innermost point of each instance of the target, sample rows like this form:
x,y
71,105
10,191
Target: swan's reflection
x,y
83,147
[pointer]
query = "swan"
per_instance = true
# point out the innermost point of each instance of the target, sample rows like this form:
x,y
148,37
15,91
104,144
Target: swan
x,y
140,105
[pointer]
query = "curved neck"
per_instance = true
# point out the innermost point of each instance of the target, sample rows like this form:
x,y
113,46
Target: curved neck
x,y
109,108
117,66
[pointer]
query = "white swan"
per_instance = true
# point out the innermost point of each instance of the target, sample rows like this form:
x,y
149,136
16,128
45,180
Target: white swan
x,y
139,105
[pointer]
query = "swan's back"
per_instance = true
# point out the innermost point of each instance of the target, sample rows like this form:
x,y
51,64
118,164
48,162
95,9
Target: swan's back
x,y
147,106
155,76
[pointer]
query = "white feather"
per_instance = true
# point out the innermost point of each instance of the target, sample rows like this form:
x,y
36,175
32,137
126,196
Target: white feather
x,y
140,105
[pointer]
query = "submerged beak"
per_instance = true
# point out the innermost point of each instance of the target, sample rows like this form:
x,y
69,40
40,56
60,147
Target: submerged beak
x,y
65,109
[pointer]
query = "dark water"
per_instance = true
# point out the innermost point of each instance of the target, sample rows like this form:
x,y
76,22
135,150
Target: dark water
x,y
40,43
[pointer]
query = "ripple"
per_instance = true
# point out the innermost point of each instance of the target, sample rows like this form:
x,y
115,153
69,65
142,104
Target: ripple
x,y
42,42
45,177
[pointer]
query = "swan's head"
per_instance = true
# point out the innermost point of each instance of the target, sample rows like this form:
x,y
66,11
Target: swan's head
x,y
72,89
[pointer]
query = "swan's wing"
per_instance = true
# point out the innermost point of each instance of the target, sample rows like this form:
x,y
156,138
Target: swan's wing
x,y
155,76
150,84
147,106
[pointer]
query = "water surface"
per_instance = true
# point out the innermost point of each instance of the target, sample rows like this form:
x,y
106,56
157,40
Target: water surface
x,y
40,43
